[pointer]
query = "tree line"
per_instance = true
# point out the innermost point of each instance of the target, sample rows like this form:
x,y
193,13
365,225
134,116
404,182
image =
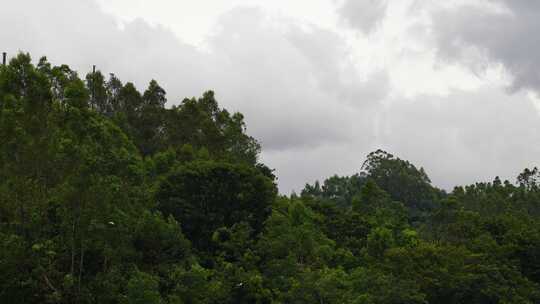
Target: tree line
x,y
109,196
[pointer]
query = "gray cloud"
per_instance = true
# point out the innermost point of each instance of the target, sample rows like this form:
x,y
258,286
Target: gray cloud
x,y
363,14
294,83
459,139
279,80
79,34
479,36
301,94
464,137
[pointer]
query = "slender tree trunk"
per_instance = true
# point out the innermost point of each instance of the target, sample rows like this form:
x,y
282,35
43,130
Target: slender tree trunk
x,y
72,246
81,256
77,228
22,211
81,268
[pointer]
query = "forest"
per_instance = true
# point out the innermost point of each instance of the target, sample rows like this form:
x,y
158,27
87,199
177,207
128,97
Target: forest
x,y
107,195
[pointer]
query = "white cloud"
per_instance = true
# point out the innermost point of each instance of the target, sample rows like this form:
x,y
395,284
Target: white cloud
x,y
294,81
194,21
320,96
464,137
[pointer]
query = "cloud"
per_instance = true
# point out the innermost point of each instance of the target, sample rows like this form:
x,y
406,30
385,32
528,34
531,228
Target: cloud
x,y
78,33
459,139
483,34
302,93
294,82
363,14
463,138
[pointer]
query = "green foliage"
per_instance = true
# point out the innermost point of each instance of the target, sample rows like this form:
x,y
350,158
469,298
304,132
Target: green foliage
x,y
204,124
108,196
160,241
206,195
142,288
340,190
402,180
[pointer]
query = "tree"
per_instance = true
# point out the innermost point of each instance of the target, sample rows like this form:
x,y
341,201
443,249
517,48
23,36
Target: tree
x,y
201,123
206,195
401,179
529,178
107,196
142,288
150,126
95,83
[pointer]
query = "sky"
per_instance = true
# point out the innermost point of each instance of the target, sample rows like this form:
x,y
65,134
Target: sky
x,y
450,85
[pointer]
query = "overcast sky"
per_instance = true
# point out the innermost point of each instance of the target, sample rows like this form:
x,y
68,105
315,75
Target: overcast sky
x,y
450,85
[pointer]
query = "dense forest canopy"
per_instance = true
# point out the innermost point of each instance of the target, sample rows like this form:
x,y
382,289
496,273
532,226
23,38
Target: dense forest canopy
x,y
108,196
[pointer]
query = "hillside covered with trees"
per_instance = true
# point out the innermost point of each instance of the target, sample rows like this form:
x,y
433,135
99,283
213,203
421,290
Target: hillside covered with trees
x,y
108,196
